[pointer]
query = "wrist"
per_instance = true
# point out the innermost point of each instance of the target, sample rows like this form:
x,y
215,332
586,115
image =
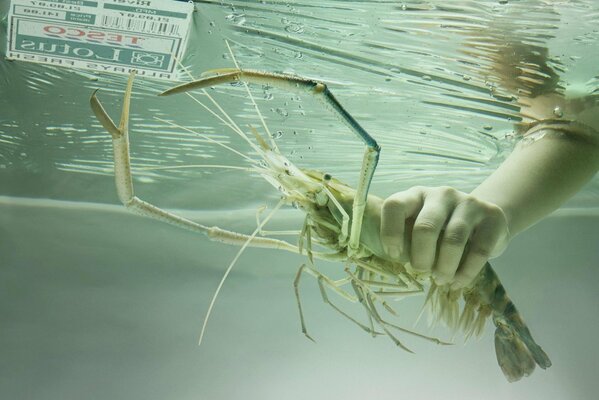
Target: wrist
x,y
506,218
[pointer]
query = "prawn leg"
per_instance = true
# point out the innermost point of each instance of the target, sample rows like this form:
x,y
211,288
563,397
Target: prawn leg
x,y
296,282
323,282
367,297
373,314
325,298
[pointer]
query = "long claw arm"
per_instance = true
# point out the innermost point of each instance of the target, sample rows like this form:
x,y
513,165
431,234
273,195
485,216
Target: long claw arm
x,y
124,183
103,116
283,81
320,91
122,165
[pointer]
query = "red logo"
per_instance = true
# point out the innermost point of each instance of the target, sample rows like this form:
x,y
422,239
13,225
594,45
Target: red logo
x,y
95,36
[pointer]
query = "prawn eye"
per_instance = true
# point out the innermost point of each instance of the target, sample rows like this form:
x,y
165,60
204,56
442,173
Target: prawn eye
x,y
319,88
327,177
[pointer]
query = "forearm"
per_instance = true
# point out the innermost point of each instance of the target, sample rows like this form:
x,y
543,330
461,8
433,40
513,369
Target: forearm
x,y
538,177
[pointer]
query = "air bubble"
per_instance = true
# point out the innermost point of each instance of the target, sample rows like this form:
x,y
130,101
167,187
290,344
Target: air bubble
x,y
282,112
557,111
294,28
237,19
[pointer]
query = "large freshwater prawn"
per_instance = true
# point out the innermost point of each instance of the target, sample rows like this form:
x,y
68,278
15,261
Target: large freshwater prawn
x,y
339,221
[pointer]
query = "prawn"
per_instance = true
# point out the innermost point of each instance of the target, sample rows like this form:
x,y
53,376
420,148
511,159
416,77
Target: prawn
x,y
336,217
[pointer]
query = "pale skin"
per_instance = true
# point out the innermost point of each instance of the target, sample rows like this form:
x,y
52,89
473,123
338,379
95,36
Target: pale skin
x,y
451,234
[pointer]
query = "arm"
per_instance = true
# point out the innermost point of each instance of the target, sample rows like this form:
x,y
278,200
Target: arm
x,y
539,176
451,234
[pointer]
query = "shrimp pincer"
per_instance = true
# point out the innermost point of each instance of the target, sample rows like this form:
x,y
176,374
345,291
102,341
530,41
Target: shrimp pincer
x,y
334,229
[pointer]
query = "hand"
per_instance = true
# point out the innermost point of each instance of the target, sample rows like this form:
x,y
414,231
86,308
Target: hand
x,y
443,231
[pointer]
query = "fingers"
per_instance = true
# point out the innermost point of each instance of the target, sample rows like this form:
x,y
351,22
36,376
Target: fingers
x,y
396,210
436,210
452,235
453,243
490,231
411,222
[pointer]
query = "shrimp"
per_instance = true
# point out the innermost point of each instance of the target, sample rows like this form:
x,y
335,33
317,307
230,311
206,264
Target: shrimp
x,y
339,221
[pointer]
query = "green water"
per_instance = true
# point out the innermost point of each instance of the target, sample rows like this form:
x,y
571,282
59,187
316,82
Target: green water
x,y
96,303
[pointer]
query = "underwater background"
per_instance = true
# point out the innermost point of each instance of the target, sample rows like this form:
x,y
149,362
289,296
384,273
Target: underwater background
x,y
97,303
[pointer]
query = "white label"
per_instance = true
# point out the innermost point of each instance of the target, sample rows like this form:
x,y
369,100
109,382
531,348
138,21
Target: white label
x,y
101,35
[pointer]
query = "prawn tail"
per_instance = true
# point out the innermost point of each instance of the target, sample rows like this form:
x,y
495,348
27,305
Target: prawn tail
x,y
517,352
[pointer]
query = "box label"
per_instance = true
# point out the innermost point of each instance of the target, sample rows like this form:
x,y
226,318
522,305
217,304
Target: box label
x,y
103,35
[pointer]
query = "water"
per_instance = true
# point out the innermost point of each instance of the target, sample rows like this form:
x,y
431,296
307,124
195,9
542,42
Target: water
x,y
97,303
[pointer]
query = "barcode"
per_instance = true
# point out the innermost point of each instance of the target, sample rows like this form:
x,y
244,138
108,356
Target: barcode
x,y
140,25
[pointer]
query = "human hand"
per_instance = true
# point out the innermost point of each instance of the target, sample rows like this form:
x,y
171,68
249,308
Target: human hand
x,y
443,231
